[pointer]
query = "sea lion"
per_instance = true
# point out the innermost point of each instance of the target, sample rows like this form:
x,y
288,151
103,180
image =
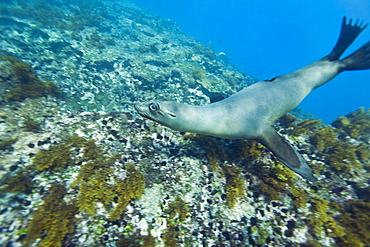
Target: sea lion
x,y
249,113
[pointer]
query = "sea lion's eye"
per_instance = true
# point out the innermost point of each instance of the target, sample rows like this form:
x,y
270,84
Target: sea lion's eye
x,y
154,107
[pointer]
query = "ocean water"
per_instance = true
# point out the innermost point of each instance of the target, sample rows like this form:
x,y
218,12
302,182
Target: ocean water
x,y
269,38
82,168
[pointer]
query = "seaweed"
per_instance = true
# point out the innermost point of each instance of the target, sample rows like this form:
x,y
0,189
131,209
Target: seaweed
x,y
287,120
29,86
53,220
305,126
217,157
321,220
235,186
128,189
355,124
31,125
215,153
249,150
205,50
95,190
171,235
347,222
92,179
6,144
323,138
341,156
177,211
21,182
198,74
57,157
275,179
294,127
83,13
258,235
356,220
137,241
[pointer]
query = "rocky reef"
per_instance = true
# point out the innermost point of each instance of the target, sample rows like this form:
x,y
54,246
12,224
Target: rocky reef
x,y
80,168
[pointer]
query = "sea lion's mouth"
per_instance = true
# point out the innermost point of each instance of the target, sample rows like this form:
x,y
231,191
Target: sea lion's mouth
x,y
142,113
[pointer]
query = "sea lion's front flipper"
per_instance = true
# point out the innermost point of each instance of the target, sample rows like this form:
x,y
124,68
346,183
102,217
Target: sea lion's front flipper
x,y
286,153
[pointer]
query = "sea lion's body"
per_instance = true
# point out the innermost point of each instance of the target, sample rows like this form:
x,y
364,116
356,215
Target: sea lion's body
x,y
249,113
260,104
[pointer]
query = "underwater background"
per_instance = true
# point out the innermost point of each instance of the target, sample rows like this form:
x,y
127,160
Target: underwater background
x,y
79,167
270,38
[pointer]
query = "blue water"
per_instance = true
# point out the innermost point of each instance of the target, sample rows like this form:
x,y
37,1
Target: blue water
x,y
269,38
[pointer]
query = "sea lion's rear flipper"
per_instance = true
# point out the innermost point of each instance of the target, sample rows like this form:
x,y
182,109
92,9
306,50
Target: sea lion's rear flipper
x,y
286,153
358,60
348,34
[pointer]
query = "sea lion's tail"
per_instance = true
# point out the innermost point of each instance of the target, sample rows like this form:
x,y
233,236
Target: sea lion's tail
x,y
358,60
348,34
